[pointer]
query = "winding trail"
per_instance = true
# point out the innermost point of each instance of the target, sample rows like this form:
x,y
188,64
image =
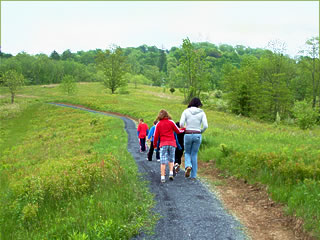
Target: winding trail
x,y
188,208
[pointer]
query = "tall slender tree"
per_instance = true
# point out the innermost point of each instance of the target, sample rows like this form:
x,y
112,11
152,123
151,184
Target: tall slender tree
x,y
312,64
194,69
13,80
114,66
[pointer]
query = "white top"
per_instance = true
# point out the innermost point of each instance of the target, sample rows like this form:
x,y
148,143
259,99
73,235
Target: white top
x,y
192,118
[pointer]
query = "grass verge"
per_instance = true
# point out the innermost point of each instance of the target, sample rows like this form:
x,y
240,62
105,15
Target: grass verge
x,y
65,175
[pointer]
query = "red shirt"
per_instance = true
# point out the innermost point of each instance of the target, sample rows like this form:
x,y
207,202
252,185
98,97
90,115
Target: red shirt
x,y
142,129
164,130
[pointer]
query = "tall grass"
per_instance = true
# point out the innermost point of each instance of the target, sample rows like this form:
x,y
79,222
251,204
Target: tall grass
x,y
66,175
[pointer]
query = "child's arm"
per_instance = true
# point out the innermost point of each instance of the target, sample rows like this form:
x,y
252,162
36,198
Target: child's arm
x,y
138,130
182,120
155,138
175,128
151,133
177,141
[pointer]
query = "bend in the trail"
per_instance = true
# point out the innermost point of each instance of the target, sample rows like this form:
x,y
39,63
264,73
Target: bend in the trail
x,y
188,208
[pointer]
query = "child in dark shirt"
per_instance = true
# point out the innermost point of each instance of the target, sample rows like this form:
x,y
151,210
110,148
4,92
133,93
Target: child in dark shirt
x,y
179,151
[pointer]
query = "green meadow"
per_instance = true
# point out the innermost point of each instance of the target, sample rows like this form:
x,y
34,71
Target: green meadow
x,y
63,177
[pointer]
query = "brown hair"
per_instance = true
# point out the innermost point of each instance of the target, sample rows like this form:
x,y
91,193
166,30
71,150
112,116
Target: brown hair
x,y
195,102
163,114
141,119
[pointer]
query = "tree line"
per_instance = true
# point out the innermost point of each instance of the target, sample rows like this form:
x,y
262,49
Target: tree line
x,y
255,82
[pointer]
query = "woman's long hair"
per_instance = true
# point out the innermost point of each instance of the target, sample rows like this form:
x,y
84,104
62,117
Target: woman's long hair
x,y
195,102
163,114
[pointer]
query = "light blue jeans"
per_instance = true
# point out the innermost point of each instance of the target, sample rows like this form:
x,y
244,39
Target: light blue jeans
x,y
191,147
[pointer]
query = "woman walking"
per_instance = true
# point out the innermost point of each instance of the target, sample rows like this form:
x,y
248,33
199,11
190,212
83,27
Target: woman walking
x,y
195,121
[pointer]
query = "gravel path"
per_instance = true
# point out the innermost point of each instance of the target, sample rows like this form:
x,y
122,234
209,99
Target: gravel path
x,y
188,208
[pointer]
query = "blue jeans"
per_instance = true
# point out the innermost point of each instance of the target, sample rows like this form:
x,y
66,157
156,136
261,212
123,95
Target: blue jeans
x,y
191,147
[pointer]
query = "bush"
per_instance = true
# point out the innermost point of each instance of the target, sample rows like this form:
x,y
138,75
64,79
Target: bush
x,y
305,115
218,94
123,90
68,84
221,105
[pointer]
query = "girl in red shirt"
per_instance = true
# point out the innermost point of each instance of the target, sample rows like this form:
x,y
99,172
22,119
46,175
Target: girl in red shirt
x,y
164,130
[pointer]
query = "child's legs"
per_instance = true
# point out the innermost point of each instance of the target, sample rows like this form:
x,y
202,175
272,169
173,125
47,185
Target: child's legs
x,y
166,155
163,169
158,153
163,159
178,155
143,144
150,153
171,157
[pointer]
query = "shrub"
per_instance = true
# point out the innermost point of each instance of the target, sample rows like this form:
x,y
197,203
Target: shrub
x,y
68,84
305,115
218,94
221,105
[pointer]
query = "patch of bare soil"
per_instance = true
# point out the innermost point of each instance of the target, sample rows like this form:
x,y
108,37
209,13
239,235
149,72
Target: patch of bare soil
x,y
263,218
26,96
162,95
50,85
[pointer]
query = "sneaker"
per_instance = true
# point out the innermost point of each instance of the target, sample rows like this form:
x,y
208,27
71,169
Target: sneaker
x,y
158,160
163,180
148,159
177,168
174,171
171,177
187,173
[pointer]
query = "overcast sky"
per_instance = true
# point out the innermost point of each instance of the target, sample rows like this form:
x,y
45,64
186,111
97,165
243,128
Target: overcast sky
x,y
41,27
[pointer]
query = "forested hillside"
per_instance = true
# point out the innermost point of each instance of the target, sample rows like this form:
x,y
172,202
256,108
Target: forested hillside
x,y
261,83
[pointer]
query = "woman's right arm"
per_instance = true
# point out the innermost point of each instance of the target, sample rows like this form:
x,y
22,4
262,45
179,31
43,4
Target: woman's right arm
x,y
183,120
204,123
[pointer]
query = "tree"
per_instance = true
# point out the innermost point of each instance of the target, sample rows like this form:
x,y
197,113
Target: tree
x,y
305,115
242,89
312,52
137,79
68,84
275,71
154,75
67,55
162,61
194,69
13,80
114,66
54,55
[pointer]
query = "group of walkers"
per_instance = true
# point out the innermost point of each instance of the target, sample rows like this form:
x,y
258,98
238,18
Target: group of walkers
x,y
170,139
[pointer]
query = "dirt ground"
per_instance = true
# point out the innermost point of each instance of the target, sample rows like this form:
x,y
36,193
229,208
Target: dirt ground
x,y
264,219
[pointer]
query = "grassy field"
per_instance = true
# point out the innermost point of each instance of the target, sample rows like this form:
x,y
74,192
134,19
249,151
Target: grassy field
x,y
62,176
284,158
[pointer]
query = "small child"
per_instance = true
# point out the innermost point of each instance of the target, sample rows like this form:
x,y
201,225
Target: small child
x,y
179,151
165,129
142,132
150,137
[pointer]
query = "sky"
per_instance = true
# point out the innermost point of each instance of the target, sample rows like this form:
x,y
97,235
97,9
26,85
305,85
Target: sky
x,y
44,26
